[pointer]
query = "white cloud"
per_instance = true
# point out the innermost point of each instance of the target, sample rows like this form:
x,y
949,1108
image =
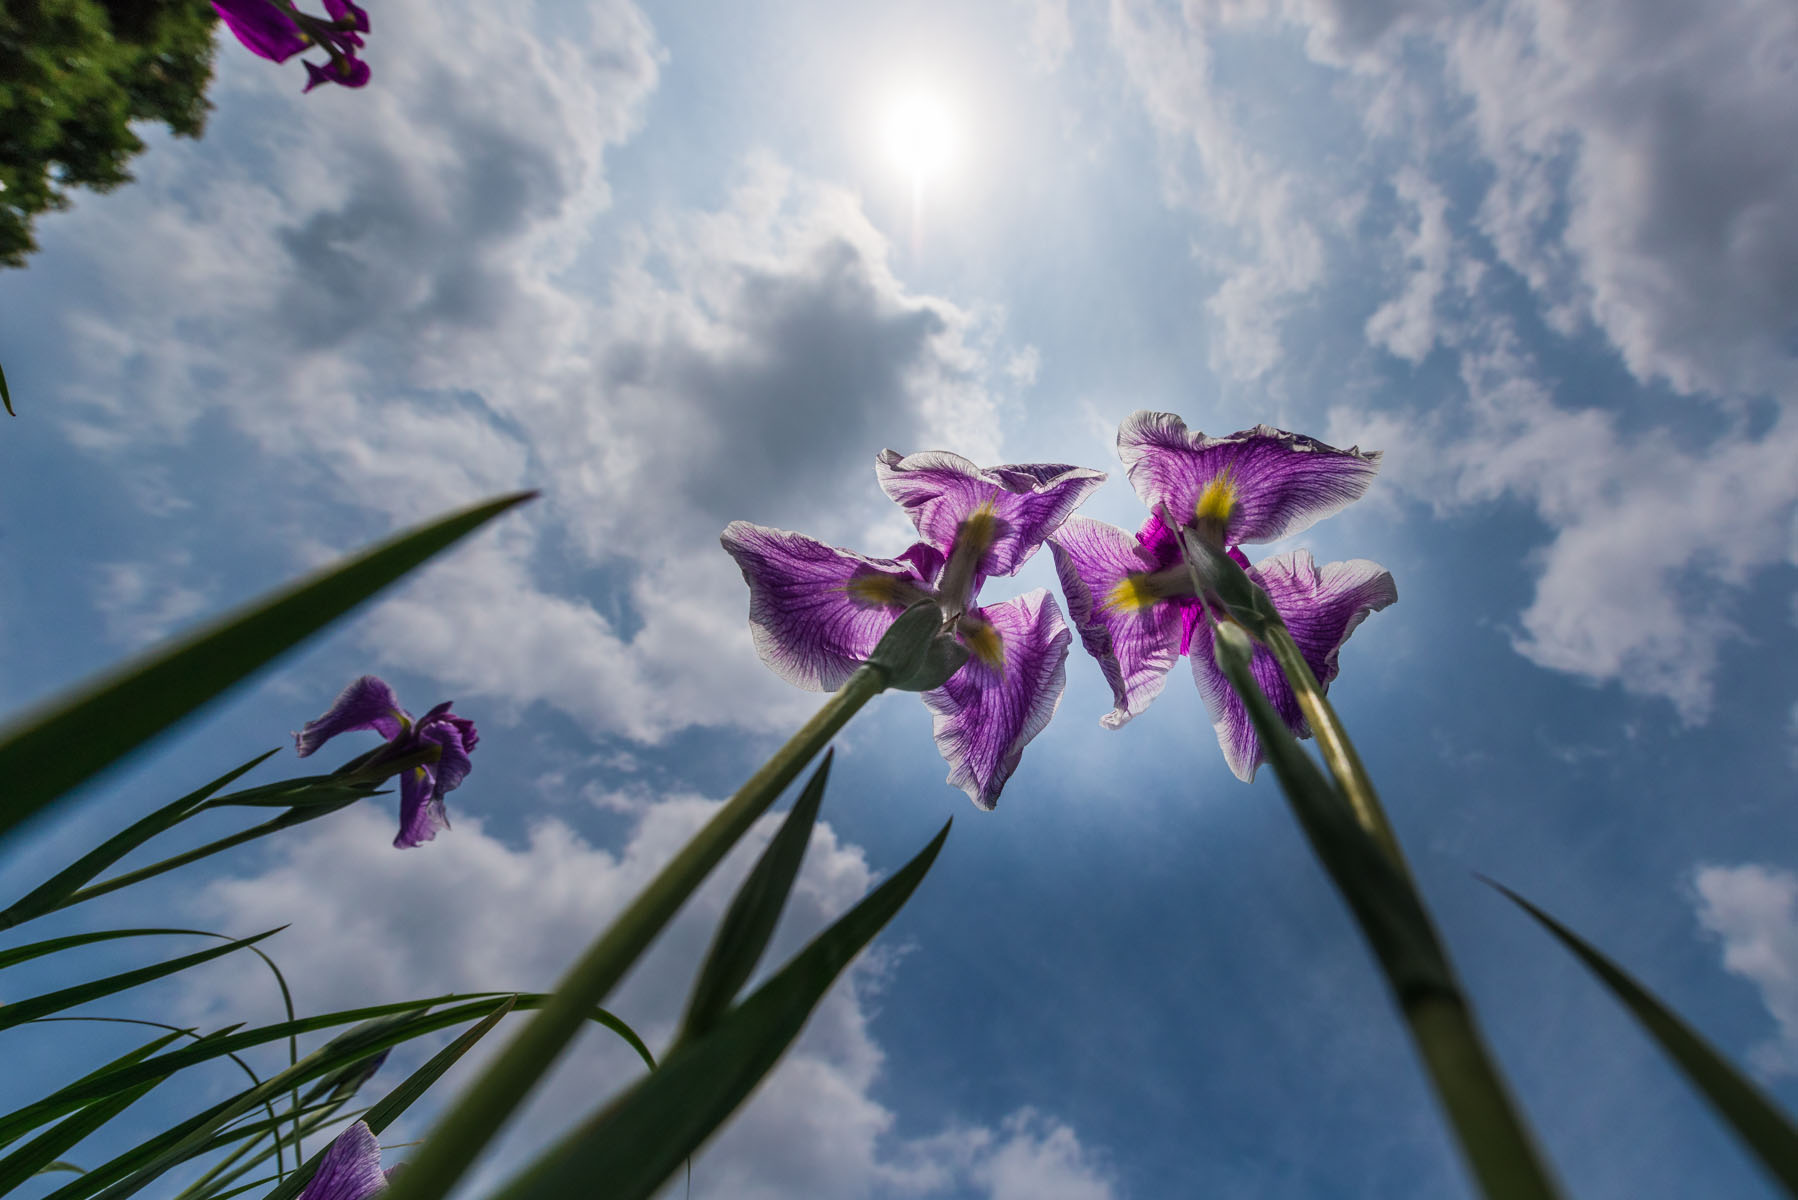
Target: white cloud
x,y
469,911
384,309
141,602
1051,33
1406,324
1611,157
1653,537
1754,911
1272,254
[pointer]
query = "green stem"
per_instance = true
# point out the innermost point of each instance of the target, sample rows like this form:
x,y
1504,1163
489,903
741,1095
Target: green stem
x,y
1385,902
1333,743
488,1102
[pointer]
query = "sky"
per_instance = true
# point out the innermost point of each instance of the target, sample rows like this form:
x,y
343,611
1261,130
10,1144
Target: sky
x,y
666,266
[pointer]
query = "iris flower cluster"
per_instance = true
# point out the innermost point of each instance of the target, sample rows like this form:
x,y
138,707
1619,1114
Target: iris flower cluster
x,y
816,611
276,30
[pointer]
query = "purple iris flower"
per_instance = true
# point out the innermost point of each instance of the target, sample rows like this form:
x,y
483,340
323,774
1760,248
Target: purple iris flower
x,y
369,703
351,1168
817,612
278,31
1133,600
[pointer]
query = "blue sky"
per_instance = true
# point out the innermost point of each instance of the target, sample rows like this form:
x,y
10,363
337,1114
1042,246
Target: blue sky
x,y
661,265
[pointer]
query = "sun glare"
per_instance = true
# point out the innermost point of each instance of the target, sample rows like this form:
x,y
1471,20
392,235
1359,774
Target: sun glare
x,y
920,136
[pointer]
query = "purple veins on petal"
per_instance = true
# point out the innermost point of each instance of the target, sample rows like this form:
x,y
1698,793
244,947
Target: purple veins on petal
x,y
262,27
350,1169
1321,607
1257,485
986,715
422,813
1133,634
817,612
1027,502
368,703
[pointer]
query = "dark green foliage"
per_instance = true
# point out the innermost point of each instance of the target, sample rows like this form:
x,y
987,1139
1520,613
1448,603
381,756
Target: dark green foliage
x,y
74,75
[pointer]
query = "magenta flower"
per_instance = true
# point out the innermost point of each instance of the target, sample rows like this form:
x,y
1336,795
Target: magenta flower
x,y
369,703
276,30
351,1168
817,612
1133,601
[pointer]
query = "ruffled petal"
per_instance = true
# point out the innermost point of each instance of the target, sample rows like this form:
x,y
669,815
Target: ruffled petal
x,y
368,703
985,717
422,814
939,490
446,730
813,609
1134,647
262,27
1270,482
1321,607
350,1169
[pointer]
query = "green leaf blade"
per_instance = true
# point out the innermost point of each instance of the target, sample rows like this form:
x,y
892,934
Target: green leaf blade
x,y
641,1138
1767,1132
74,736
748,924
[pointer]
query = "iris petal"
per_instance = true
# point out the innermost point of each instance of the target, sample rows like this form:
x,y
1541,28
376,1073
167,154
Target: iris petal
x,y
1135,646
368,703
811,627
1030,501
350,1169
1321,607
984,717
1263,482
261,27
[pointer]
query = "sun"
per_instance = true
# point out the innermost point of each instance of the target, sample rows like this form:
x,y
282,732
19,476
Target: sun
x,y
920,135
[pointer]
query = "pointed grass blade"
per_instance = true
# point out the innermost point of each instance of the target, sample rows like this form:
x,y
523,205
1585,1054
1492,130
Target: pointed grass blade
x,y
33,1007
50,894
399,1100
483,1108
635,1143
74,736
469,1007
31,950
749,923
1768,1133
39,1154
6,395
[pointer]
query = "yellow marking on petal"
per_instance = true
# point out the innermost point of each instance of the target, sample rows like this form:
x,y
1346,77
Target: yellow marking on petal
x,y
983,641
1135,592
980,528
873,588
1217,501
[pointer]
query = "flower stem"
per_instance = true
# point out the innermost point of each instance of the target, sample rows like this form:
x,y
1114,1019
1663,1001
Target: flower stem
x,y
1333,743
489,1101
1385,902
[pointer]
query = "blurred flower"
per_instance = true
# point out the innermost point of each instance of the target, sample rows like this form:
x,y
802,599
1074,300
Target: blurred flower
x,y
1134,602
276,30
369,703
817,612
351,1168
